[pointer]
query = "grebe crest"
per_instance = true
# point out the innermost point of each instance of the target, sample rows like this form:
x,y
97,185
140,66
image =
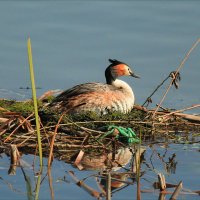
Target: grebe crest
x,y
114,95
117,69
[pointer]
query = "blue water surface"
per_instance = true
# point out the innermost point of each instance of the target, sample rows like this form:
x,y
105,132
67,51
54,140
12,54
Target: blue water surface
x,y
72,41
71,44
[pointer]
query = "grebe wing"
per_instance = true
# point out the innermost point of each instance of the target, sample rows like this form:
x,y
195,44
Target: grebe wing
x,y
83,89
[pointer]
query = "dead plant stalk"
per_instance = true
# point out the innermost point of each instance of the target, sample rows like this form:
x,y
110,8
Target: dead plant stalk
x,y
177,71
14,131
184,109
52,141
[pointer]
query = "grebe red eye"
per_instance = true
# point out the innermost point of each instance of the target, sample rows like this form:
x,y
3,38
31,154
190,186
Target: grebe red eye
x,y
130,72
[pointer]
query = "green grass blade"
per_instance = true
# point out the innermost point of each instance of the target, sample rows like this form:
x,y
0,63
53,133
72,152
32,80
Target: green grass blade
x,y
34,99
37,189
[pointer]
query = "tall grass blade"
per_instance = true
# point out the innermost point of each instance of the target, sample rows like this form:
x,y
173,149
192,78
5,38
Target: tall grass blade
x,y
37,190
34,99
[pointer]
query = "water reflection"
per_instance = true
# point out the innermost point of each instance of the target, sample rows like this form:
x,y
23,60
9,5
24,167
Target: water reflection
x,y
168,160
112,165
91,171
106,161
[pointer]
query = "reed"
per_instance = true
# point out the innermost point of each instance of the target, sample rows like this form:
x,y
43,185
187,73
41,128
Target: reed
x,y
34,99
175,75
138,163
52,142
38,183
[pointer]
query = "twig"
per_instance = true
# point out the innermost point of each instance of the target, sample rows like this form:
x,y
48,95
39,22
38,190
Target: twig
x,y
161,180
81,184
177,71
170,192
27,138
108,186
79,157
178,111
25,120
156,89
3,120
50,184
6,123
176,191
53,140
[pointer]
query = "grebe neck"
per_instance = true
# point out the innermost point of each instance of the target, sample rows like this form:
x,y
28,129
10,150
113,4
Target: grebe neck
x,y
123,86
109,77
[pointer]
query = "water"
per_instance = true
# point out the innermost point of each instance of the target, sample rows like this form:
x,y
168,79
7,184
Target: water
x,y
72,42
184,165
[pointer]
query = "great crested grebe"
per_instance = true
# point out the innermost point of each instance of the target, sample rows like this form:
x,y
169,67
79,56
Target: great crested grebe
x,y
114,95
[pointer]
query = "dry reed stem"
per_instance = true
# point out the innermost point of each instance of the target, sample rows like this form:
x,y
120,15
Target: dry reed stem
x,y
161,180
10,120
82,185
27,138
177,71
108,186
181,110
171,192
24,121
155,90
177,191
52,141
6,123
3,120
189,117
77,162
50,183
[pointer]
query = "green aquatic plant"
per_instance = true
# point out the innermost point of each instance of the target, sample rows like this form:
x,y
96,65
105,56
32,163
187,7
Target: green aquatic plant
x,y
37,121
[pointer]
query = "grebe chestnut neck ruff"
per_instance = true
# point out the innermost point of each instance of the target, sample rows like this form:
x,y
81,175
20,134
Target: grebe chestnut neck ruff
x,y
114,95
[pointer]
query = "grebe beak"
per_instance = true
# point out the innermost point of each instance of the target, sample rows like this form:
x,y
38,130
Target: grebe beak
x,y
133,75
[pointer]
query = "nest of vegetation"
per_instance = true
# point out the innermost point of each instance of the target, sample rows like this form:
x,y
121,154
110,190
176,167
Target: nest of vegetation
x,y
88,131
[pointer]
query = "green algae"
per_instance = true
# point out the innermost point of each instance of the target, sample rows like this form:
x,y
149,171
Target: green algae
x,y
23,107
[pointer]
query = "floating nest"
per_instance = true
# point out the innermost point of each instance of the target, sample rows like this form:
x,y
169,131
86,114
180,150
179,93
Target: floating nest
x,y
88,131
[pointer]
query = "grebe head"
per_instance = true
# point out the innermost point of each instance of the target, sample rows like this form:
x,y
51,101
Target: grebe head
x,y
116,69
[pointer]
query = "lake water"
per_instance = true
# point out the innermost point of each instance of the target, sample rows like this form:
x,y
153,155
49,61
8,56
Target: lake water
x,y
177,162
71,44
